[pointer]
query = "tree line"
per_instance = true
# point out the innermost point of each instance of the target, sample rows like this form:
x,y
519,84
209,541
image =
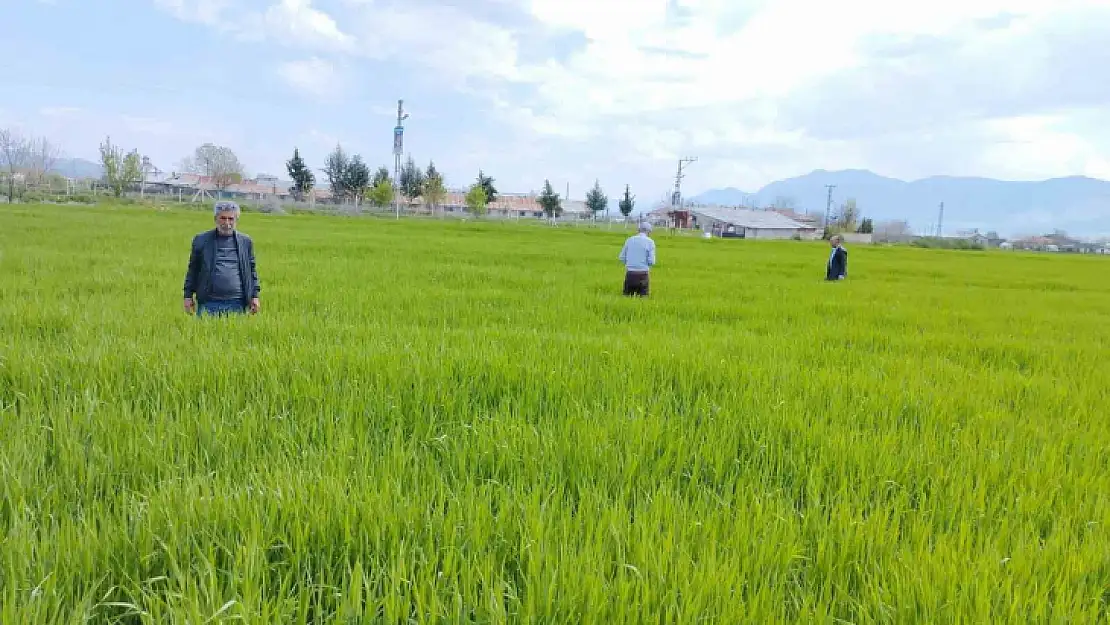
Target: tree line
x,y
349,179
348,176
34,157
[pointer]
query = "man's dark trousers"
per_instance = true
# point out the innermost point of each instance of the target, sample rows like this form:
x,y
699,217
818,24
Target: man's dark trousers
x,y
636,283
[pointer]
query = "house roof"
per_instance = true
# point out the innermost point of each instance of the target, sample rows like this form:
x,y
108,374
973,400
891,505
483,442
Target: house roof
x,y
206,183
803,219
768,220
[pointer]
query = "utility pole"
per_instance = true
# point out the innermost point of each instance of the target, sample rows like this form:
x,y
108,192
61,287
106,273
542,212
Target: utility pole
x,y
676,198
398,150
142,187
940,220
828,205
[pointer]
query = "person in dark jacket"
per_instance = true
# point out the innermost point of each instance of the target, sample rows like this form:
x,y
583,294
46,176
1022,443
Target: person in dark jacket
x,y
222,274
837,268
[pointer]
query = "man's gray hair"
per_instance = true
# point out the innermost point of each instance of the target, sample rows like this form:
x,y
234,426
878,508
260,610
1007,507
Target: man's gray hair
x,y
225,207
645,227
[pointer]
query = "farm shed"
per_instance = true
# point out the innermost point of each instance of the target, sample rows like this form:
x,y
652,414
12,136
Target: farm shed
x,y
750,224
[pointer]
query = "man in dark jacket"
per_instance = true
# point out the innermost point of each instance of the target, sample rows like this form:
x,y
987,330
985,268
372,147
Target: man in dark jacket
x,y
837,268
221,268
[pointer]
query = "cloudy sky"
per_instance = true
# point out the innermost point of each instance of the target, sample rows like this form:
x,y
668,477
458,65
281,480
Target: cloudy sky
x,y
574,90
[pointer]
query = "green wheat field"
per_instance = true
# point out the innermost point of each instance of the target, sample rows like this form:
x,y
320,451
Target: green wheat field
x,y
446,422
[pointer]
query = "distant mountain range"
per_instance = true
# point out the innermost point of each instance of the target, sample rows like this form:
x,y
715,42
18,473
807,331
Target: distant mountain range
x,y
78,168
1079,205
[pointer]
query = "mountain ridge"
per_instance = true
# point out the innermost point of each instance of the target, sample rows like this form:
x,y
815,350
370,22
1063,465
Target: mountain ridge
x,y
1078,204
77,168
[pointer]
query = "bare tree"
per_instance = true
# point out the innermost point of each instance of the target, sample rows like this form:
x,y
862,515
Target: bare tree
x,y
14,156
42,155
216,162
849,215
892,231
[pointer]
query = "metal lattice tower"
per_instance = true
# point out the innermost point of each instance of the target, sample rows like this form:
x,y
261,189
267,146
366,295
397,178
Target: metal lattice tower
x,y
676,198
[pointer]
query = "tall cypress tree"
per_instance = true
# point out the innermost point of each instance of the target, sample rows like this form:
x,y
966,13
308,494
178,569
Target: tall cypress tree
x,y
549,201
302,176
628,202
596,200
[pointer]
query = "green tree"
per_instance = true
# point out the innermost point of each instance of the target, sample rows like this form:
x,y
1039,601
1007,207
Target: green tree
x,y
596,200
434,190
866,226
381,194
335,168
302,176
486,183
627,203
121,171
476,200
549,201
356,179
412,181
380,176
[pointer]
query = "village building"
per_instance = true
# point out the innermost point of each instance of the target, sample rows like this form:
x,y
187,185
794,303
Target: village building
x,y
750,224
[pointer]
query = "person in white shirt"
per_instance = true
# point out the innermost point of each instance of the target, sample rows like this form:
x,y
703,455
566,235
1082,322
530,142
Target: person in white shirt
x,y
638,256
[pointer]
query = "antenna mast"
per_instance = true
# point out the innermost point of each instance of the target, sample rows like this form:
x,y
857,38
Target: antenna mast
x,y
398,149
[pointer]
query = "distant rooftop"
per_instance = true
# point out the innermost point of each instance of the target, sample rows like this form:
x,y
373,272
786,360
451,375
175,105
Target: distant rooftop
x,y
750,218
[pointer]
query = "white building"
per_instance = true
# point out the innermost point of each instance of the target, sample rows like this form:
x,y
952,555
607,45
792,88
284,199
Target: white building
x,y
750,224
509,205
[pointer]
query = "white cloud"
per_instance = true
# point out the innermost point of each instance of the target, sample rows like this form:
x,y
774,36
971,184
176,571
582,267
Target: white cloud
x,y
779,49
60,111
287,22
322,139
456,46
761,89
445,39
208,12
797,78
1034,146
313,76
149,127
300,22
